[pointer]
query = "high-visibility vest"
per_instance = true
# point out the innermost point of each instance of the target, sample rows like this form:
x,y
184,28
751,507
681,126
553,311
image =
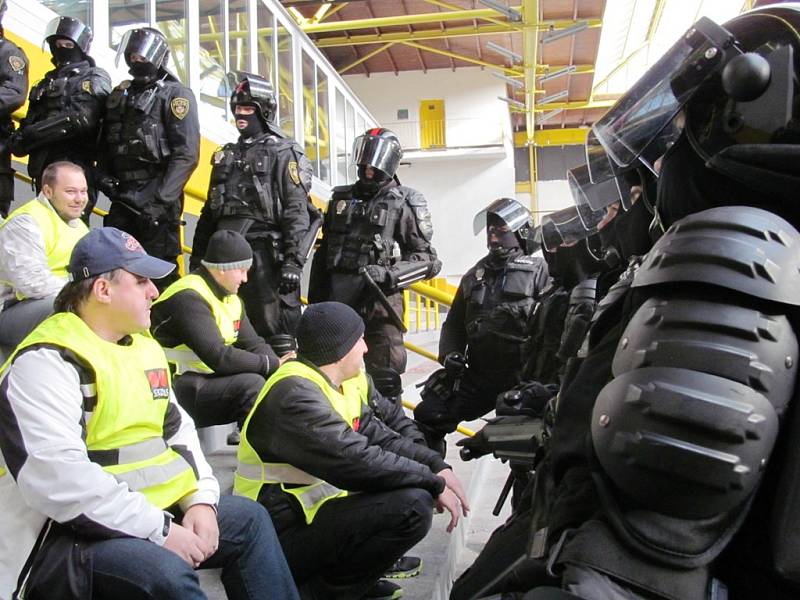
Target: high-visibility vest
x,y
59,237
227,315
311,492
124,409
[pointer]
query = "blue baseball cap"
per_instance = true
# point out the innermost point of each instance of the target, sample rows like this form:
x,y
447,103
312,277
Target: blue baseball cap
x,y
107,248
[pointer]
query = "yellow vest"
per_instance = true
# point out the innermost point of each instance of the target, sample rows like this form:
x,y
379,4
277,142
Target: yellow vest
x,y
311,492
227,315
124,432
59,237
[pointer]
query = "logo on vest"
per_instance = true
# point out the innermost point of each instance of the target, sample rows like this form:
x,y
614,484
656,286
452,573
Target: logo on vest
x,y
356,423
237,324
159,383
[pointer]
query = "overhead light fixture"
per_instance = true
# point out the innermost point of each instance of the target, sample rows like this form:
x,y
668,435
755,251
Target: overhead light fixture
x,y
566,32
505,52
512,102
515,83
513,15
559,73
549,115
553,97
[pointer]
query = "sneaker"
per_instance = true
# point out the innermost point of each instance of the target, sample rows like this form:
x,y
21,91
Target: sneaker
x,y
405,567
234,437
384,590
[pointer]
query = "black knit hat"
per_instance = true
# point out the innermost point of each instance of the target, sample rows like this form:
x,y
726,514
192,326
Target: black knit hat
x,y
227,250
327,331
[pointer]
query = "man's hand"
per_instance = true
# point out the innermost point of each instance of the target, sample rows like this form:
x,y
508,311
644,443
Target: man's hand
x,y
447,501
154,213
452,482
290,278
287,356
186,544
201,520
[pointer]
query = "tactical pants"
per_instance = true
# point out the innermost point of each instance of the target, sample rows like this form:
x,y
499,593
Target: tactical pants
x,y
217,399
384,339
270,312
351,542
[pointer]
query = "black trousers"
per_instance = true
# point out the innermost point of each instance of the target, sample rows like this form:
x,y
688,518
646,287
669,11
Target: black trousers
x,y
384,339
217,399
270,312
6,180
351,542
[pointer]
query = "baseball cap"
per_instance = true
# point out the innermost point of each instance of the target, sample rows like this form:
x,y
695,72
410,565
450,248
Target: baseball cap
x,y
107,248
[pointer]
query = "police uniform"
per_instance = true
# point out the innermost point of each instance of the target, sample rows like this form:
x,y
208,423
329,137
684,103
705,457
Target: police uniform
x,y
361,230
63,121
13,87
488,322
152,145
259,187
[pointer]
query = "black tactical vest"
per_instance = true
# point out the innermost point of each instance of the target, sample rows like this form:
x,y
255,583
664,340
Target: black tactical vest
x,y
361,232
242,180
136,138
52,96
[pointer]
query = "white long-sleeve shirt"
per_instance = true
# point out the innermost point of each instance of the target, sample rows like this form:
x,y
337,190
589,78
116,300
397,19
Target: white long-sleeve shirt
x,y
41,410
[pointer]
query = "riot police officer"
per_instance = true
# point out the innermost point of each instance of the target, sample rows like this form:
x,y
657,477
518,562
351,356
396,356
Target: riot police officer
x,y
13,87
65,108
259,187
152,145
486,327
688,389
363,225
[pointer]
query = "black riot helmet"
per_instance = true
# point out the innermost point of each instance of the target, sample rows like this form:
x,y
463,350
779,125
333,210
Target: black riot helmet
x,y
148,43
380,149
510,212
69,28
250,89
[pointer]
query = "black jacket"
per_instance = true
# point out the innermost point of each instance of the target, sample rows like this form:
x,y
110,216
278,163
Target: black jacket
x,y
296,424
186,318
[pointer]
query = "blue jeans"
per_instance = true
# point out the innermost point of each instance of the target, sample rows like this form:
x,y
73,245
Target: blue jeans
x,y
249,554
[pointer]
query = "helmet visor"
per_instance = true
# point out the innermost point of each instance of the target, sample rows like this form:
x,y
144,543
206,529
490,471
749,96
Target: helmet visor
x,y
377,152
564,227
645,110
72,29
511,212
145,43
594,195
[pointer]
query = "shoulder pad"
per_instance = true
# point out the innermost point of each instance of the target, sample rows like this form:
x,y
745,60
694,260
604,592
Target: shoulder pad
x,y
412,196
615,294
740,248
342,192
585,291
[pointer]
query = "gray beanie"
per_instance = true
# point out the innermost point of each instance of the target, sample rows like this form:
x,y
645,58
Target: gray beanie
x,y
327,331
227,250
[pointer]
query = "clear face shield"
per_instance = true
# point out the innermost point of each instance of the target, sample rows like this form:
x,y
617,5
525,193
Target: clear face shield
x,y
377,152
565,228
508,210
592,199
637,119
72,29
146,43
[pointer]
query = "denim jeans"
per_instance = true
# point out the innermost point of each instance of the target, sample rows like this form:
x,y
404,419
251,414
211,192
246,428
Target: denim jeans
x,y
249,554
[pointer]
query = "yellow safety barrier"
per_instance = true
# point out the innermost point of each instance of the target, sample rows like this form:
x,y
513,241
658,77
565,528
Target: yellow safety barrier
x,y
460,429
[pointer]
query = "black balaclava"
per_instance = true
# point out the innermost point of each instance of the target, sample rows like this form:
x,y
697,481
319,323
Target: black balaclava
x,y
632,229
370,187
65,56
573,264
506,245
143,72
255,125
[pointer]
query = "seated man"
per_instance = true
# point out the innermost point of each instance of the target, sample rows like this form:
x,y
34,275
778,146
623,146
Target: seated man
x,y
310,436
104,491
220,362
35,244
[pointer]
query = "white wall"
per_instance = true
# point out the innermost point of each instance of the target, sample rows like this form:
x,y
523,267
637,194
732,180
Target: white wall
x,y
456,186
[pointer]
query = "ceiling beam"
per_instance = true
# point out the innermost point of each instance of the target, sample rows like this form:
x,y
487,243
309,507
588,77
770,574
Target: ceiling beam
x,y
553,137
456,56
530,48
575,105
366,57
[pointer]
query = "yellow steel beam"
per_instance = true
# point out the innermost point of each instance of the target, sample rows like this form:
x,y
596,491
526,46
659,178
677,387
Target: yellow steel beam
x,y
332,11
553,137
468,59
449,6
366,57
575,105
655,19
530,47
413,36
440,296
321,12
438,17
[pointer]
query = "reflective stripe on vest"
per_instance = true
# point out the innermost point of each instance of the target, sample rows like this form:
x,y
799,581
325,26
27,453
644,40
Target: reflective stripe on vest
x,y
59,237
311,492
227,314
126,425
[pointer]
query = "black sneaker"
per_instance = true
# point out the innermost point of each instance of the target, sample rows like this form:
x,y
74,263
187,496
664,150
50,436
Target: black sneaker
x,y
405,567
384,590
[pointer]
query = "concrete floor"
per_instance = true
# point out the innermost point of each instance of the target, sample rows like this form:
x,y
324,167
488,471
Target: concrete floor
x,y
444,555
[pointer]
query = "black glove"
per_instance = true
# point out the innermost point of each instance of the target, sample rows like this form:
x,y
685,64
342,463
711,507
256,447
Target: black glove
x,y
16,143
290,278
154,213
107,184
378,273
455,363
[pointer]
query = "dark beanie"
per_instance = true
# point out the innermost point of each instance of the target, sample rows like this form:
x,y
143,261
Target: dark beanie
x,y
227,250
327,331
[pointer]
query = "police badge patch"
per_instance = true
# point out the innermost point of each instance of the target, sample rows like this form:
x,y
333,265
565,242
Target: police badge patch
x,y
294,173
86,86
179,108
17,63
